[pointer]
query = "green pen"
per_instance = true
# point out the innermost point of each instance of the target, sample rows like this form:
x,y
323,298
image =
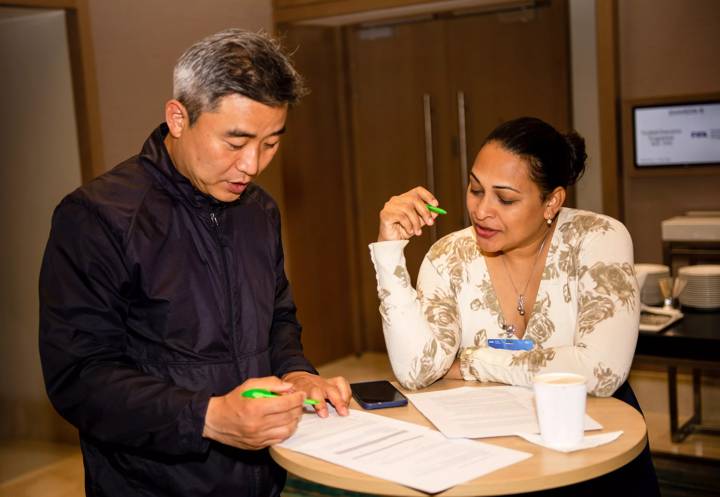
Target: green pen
x,y
261,393
437,210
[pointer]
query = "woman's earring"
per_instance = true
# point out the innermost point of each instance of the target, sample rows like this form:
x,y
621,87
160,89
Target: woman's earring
x,y
549,221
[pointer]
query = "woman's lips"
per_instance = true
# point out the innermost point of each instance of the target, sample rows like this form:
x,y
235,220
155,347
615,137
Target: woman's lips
x,y
484,232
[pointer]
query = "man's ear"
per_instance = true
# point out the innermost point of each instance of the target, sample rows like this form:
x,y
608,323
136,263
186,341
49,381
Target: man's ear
x,y
176,117
555,201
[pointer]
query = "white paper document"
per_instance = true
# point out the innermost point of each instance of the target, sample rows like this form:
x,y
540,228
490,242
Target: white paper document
x,y
397,451
479,412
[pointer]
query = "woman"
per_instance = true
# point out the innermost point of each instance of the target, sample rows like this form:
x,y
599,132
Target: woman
x,y
526,268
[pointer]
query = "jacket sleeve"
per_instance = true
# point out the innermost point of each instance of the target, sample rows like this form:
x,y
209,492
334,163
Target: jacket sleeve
x,y
286,351
84,282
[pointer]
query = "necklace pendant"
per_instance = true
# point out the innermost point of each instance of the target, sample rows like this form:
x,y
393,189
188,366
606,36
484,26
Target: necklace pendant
x,y
521,305
509,329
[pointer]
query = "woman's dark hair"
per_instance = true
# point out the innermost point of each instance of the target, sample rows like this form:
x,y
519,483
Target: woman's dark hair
x,y
555,159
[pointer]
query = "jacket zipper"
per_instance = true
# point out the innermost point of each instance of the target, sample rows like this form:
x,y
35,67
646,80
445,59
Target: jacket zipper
x,y
231,308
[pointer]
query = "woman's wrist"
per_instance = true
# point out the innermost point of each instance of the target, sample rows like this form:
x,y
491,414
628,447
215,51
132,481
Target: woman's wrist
x,y
454,371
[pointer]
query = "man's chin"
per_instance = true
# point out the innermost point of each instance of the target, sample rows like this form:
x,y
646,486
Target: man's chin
x,y
226,195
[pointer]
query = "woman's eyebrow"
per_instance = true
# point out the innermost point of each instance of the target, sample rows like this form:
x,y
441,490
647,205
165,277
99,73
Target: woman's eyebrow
x,y
496,187
506,187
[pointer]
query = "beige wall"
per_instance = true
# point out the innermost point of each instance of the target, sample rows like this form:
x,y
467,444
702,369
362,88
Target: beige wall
x,y
40,164
667,48
136,45
583,52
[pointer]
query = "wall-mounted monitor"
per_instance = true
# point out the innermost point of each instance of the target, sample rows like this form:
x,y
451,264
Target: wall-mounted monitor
x,y
675,133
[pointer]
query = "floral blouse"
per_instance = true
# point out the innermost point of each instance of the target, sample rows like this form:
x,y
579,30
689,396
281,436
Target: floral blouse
x,y
585,318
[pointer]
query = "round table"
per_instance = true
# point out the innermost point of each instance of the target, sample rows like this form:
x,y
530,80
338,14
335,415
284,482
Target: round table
x,y
545,469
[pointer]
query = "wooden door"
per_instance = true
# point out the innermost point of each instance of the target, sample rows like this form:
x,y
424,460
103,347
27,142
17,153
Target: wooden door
x,y
397,76
318,231
508,65
362,136
504,65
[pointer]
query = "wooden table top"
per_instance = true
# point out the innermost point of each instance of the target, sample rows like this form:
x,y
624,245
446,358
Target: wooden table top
x,y
545,469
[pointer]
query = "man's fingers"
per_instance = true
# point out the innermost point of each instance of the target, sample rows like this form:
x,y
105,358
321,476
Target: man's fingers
x,y
280,404
275,420
321,407
272,383
343,387
337,397
272,436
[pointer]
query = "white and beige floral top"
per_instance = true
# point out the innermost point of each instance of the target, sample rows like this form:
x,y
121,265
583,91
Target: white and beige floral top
x,y
585,317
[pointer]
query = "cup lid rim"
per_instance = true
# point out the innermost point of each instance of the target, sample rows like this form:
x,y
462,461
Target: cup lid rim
x,y
542,376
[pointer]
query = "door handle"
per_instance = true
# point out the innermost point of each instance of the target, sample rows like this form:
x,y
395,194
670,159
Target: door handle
x,y
462,145
429,160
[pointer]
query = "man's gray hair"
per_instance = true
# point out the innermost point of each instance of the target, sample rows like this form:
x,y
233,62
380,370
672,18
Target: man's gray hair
x,y
235,61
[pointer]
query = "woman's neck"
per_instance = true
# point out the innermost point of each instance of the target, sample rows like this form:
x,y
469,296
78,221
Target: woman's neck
x,y
529,249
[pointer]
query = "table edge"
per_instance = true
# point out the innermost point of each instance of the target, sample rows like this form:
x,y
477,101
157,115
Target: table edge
x,y
358,482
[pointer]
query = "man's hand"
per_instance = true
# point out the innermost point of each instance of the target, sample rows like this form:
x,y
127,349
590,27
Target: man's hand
x,y
254,423
336,390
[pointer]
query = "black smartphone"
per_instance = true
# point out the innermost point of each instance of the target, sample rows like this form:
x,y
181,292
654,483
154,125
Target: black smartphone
x,y
377,395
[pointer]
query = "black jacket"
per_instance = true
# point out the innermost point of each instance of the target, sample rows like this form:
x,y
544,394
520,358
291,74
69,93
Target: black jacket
x,y
153,298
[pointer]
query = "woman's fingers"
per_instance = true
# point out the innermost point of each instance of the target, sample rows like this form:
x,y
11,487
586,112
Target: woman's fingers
x,y
425,195
423,212
410,221
404,216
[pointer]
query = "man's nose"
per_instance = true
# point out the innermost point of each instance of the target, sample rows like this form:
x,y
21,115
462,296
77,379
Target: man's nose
x,y
248,161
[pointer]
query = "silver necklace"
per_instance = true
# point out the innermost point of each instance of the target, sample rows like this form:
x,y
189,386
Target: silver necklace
x,y
521,296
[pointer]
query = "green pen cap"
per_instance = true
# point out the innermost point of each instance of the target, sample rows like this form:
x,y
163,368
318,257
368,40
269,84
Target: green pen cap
x,y
261,393
437,210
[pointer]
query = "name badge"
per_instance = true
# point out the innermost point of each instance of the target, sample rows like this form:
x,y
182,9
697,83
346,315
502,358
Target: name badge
x,y
510,344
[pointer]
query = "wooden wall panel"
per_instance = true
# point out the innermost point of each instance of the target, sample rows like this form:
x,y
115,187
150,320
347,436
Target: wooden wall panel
x,y
316,199
666,48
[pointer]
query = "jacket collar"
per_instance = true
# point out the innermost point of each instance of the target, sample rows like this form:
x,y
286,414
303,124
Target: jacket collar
x,y
156,158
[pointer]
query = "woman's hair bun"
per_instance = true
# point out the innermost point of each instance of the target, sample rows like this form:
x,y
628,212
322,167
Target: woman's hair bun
x,y
577,156
554,159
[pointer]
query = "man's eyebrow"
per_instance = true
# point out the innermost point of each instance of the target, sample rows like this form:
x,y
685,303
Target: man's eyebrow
x,y
238,133
496,187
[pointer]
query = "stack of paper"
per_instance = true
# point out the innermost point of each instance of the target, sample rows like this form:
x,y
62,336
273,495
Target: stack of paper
x,y
422,458
474,412
398,451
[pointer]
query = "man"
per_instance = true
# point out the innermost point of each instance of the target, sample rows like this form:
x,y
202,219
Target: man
x,y
163,294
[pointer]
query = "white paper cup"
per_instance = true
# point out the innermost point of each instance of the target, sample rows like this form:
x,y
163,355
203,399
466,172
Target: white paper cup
x,y
560,403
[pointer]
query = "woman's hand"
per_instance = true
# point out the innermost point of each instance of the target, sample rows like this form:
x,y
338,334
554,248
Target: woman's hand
x,y
404,216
